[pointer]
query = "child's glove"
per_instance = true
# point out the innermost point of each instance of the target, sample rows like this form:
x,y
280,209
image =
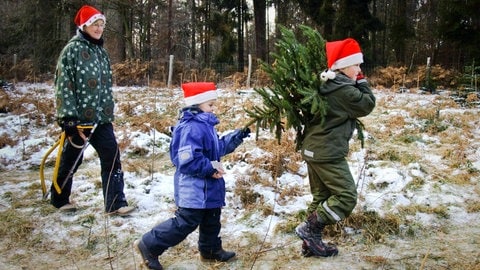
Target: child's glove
x,y
238,135
244,133
70,126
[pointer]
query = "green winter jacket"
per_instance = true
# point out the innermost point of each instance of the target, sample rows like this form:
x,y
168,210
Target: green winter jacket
x,y
347,101
83,82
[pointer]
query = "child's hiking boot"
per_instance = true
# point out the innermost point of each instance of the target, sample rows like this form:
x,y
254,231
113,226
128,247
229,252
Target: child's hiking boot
x,y
330,250
310,232
306,252
149,260
220,255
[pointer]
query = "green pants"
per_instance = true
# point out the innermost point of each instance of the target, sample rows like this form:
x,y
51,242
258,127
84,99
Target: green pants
x,y
333,189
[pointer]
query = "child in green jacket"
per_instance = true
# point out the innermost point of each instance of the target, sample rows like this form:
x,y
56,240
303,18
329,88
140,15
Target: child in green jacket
x,y
326,145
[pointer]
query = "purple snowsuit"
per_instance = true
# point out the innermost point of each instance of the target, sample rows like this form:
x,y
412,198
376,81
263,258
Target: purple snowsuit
x,y
198,196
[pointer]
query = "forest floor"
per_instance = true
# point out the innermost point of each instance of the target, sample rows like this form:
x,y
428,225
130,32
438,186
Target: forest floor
x,y
449,247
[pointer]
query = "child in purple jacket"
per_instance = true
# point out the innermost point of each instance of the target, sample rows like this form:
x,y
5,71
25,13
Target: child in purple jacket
x,y
199,187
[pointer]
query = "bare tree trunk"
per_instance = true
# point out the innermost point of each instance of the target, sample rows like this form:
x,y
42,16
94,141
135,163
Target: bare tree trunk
x,y
193,19
206,32
169,34
114,33
259,9
330,21
240,34
374,35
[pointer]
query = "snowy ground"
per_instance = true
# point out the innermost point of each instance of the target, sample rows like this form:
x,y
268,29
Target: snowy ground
x,y
421,165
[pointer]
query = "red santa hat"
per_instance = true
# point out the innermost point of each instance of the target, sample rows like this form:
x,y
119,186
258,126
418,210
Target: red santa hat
x,y
199,92
341,54
87,15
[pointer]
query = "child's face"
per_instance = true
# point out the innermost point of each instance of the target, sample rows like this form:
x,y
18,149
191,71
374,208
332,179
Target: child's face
x,y
352,71
208,106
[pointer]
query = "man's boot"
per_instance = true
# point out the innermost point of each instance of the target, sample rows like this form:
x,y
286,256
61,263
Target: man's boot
x,y
310,232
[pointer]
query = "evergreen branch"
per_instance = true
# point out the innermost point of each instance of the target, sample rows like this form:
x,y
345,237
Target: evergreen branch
x,y
360,127
293,100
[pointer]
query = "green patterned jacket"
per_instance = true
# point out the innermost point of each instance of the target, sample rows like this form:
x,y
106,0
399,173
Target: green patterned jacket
x,y
83,83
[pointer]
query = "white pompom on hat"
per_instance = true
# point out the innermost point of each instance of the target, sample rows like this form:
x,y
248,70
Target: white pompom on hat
x,y
327,75
87,15
341,54
199,92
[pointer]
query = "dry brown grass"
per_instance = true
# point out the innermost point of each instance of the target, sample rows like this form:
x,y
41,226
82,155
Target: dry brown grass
x,y
5,105
6,139
441,210
376,260
373,227
396,144
473,206
395,77
15,226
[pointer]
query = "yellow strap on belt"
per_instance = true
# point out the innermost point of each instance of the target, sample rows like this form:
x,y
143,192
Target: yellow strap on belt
x,y
57,163
42,166
80,127
59,143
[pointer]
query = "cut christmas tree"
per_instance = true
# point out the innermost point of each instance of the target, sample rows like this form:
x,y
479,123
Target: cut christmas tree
x,y
292,100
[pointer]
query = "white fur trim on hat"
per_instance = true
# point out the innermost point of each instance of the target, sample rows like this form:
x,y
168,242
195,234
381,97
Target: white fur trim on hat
x,y
93,19
353,59
201,98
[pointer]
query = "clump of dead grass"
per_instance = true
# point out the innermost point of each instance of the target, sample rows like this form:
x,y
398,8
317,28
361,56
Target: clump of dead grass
x,y
290,222
248,197
5,140
472,206
268,167
373,227
376,260
131,72
393,77
5,103
284,156
416,183
440,211
395,154
16,226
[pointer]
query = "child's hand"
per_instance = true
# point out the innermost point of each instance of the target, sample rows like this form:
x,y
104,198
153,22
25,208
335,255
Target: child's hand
x,y
361,78
218,174
244,133
219,171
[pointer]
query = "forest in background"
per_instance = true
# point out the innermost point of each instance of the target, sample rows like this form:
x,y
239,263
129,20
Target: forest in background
x,y
213,39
